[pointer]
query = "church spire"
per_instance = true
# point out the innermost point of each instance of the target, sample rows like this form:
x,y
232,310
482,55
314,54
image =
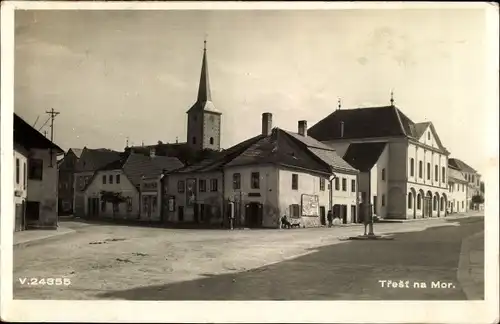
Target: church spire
x,y
204,94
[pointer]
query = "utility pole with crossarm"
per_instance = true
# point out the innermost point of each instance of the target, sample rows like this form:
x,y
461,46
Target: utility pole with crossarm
x,y
53,115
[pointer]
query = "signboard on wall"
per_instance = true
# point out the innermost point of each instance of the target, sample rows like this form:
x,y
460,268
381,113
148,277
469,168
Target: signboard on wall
x,y
310,205
171,204
150,186
190,191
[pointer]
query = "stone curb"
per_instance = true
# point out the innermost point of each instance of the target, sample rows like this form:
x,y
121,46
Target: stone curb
x,y
54,233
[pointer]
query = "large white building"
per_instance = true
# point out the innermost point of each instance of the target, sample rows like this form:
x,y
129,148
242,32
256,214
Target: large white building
x,y
416,169
261,179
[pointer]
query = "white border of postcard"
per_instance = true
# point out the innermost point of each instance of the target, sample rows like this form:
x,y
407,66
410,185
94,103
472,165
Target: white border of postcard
x,y
251,311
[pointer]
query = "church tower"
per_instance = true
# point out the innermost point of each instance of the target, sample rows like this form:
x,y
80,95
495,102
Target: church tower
x,y
204,121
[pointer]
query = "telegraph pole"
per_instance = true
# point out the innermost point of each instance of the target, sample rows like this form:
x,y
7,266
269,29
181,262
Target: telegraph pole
x,y
53,115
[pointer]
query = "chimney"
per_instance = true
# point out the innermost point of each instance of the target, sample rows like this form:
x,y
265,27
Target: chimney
x,y
303,128
152,152
267,123
341,129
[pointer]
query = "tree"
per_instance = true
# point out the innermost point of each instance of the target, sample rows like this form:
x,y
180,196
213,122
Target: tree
x,y
115,198
477,199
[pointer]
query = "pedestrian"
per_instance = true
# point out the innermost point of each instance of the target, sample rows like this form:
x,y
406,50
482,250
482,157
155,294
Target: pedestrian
x,y
329,217
285,223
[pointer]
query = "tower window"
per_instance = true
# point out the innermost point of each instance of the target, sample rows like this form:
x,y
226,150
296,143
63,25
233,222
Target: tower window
x,y
194,140
211,140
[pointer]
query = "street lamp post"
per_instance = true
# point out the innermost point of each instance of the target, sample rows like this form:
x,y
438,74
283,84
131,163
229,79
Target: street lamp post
x,y
330,195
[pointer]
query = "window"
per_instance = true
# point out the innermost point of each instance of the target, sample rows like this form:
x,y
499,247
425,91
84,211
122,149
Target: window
x,y
117,178
420,169
412,167
180,186
428,171
410,200
294,211
236,181
295,181
203,185
473,180
255,180
103,205
337,184
211,140
443,174
344,184
213,185
383,174
17,171
194,140
436,173
383,200
104,179
25,178
35,171
129,204
462,204
353,185
419,203
322,184
110,179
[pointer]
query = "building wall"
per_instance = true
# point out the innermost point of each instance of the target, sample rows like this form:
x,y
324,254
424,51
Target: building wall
x,y
125,187
45,191
195,130
211,130
214,199
20,181
308,184
266,194
427,182
151,199
347,198
457,196
80,180
66,181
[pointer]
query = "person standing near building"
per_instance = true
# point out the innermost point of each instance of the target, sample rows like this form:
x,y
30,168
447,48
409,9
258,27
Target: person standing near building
x,y
329,217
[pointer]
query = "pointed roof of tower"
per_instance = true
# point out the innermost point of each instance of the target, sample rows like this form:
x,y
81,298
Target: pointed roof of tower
x,y
204,100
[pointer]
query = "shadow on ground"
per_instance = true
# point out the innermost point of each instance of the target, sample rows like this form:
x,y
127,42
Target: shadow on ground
x,y
347,271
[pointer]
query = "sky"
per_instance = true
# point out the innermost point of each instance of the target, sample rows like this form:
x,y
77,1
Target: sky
x,y
119,74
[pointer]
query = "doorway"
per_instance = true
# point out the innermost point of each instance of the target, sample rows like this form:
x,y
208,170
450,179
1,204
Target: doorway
x,y
354,217
196,214
343,211
180,211
322,215
32,210
253,214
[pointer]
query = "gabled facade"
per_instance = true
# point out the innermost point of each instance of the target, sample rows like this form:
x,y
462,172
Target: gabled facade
x,y
35,178
417,161
263,178
90,161
135,178
66,180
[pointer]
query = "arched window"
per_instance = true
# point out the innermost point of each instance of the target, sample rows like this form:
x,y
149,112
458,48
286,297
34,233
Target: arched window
x,y
410,200
420,169
419,202
435,202
211,140
442,204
